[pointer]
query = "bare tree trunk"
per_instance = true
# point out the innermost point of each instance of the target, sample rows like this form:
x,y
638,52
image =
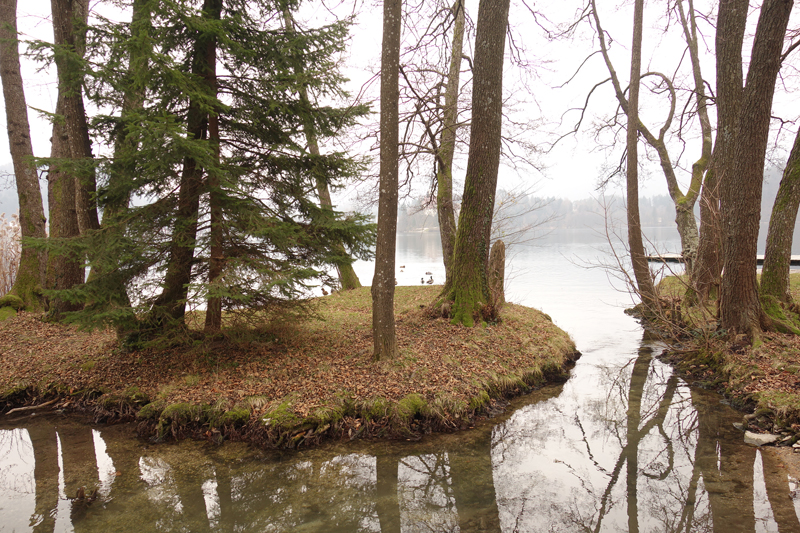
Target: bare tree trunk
x,y
775,274
171,304
383,328
447,144
641,270
469,288
32,265
740,308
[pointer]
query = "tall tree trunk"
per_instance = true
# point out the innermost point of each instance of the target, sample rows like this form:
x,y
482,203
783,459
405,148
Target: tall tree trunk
x,y
641,270
348,279
123,167
32,265
383,329
708,266
171,304
740,308
469,288
447,144
775,274
64,269
70,18
216,259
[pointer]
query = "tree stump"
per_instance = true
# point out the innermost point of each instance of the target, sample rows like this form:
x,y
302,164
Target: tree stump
x,y
496,275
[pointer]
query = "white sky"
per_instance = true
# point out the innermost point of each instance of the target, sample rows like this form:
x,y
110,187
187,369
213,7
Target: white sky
x,y
572,169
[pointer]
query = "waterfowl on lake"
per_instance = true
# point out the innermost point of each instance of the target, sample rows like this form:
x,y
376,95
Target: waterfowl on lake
x,y
324,292
428,273
430,281
422,280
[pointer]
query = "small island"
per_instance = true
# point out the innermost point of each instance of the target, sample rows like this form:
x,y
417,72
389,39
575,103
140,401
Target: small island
x,y
291,381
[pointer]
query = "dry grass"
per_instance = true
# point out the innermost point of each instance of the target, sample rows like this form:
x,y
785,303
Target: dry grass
x,y
10,251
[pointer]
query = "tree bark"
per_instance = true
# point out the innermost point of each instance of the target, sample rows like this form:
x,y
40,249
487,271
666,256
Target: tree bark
x,y
641,270
469,289
32,265
70,18
447,144
64,269
740,308
383,329
171,304
708,266
775,274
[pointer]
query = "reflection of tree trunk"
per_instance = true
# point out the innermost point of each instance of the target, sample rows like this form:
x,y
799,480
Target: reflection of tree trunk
x,y
729,482
629,454
227,517
778,493
634,416
80,465
45,473
386,502
473,485
189,484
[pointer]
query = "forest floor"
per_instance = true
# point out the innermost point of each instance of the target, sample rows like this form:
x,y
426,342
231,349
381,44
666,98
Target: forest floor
x,y
290,382
763,380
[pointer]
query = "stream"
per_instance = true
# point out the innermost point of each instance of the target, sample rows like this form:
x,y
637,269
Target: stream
x,y
624,445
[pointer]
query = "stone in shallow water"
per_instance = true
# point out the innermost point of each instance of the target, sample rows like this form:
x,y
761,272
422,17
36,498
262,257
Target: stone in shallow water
x,y
759,439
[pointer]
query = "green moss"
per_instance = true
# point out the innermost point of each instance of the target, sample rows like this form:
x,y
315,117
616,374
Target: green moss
x,y
376,408
88,365
13,301
410,406
233,418
151,410
784,321
480,400
7,312
281,416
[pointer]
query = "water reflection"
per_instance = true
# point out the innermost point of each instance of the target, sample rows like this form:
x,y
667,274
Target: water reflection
x,y
624,445
641,452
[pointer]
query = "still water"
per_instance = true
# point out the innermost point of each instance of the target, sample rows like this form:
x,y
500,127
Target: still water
x,y
624,445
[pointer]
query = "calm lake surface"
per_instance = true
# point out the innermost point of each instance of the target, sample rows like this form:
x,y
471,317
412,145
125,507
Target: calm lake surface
x,y
624,445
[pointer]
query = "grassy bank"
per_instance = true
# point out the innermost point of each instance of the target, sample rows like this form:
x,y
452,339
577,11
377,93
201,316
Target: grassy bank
x,y
290,383
764,380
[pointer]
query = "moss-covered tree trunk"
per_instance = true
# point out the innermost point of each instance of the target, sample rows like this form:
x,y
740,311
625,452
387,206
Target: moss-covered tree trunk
x,y
469,288
383,329
171,303
775,274
740,308
447,143
30,273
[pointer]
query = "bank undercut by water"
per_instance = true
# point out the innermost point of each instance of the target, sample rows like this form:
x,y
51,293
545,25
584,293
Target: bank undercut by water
x,y
293,383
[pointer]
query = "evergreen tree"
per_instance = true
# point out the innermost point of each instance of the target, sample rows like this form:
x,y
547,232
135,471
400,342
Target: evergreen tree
x,y
215,161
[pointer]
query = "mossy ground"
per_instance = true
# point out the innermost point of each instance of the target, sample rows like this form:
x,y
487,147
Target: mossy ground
x,y
764,377
292,382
